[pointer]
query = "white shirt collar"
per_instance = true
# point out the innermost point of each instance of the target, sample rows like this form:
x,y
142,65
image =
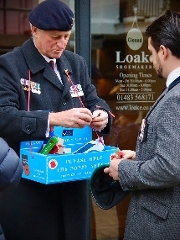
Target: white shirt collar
x,y
49,59
172,76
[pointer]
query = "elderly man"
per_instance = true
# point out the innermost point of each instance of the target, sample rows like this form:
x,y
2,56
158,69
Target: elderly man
x,y
34,98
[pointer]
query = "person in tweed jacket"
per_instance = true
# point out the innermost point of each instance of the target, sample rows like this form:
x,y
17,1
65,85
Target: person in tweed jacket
x,y
152,174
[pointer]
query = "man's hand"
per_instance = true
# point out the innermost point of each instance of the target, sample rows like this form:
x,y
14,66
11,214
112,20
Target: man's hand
x,y
99,120
75,118
112,170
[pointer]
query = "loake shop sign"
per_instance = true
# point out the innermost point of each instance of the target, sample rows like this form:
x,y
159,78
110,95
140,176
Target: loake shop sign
x,y
138,58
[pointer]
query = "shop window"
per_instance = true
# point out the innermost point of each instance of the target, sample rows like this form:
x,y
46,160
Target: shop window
x,y
127,81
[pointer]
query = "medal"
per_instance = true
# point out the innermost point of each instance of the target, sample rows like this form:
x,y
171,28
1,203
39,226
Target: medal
x,y
34,87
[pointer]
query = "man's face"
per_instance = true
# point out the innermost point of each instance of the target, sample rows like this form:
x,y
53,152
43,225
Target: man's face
x,y
50,43
155,59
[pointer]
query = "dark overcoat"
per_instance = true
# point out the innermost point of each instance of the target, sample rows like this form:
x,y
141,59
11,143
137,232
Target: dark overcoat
x,y
38,211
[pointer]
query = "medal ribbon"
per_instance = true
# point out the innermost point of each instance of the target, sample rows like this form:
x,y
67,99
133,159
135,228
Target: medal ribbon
x,y
82,104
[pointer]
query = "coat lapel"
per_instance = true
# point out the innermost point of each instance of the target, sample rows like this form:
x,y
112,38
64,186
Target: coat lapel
x,y
157,101
30,52
52,77
173,84
62,65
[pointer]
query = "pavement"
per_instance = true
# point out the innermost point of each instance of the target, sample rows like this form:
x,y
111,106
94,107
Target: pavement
x,y
109,224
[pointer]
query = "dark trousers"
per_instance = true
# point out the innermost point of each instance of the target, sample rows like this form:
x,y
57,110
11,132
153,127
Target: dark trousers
x,y
36,211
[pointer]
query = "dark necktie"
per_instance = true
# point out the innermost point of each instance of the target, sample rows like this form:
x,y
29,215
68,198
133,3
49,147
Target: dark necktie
x,y
51,63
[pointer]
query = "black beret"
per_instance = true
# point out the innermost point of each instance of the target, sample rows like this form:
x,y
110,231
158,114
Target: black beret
x,y
52,15
104,190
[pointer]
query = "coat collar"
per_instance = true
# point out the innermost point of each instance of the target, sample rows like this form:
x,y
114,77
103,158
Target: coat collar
x,y
173,84
39,63
156,102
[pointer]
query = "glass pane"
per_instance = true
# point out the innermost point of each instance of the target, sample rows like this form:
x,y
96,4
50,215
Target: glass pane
x,y
124,77
71,43
14,24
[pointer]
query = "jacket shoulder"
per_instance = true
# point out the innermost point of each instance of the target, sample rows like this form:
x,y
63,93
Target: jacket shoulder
x,y
11,53
10,167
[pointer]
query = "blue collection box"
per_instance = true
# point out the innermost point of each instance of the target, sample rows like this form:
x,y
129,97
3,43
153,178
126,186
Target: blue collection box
x,y
69,135
55,168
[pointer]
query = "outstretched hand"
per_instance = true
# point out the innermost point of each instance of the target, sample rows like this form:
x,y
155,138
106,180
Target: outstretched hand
x,y
112,170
